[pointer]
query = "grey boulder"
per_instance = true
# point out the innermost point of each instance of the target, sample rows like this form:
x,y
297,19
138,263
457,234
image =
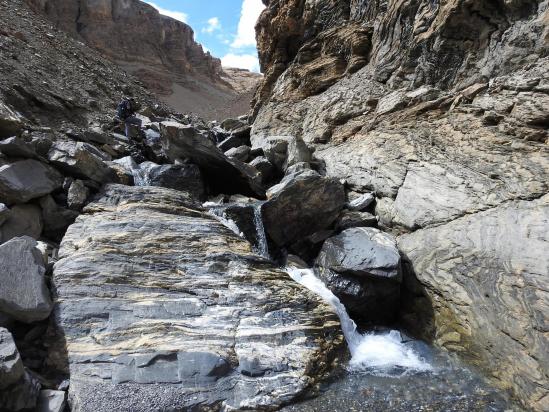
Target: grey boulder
x,y
222,173
200,323
27,179
241,153
24,295
300,205
22,220
26,146
18,390
362,267
349,219
361,202
51,401
77,195
81,160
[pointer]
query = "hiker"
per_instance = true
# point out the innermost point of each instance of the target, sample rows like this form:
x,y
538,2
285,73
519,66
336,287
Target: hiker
x,y
126,112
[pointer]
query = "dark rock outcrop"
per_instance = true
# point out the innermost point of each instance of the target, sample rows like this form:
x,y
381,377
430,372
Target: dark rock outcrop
x,y
26,180
228,175
18,389
362,267
300,205
201,322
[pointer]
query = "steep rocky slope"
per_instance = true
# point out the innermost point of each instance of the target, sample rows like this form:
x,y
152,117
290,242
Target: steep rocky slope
x,y
159,50
442,110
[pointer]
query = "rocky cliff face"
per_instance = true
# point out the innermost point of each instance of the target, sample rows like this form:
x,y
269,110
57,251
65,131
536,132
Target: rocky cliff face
x,y
441,109
159,50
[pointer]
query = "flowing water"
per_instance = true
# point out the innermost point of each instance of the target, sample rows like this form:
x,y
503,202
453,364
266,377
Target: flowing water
x,y
382,354
386,371
262,245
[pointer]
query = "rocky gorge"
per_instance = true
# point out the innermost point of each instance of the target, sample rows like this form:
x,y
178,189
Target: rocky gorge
x,y
388,185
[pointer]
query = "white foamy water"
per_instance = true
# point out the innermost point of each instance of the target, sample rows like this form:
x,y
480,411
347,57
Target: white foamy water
x,y
262,245
375,353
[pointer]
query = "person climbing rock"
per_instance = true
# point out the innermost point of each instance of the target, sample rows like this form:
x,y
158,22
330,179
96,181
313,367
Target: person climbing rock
x,y
126,111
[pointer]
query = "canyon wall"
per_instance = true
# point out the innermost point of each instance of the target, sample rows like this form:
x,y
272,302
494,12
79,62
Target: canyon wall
x,y
442,110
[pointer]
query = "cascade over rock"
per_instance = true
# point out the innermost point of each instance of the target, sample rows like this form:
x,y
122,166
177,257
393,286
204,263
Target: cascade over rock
x,y
201,322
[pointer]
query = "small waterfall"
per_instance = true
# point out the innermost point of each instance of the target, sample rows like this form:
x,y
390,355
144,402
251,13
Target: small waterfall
x,y
262,244
219,214
141,174
376,353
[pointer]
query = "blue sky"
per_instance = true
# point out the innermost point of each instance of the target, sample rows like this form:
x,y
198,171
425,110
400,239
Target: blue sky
x,y
224,27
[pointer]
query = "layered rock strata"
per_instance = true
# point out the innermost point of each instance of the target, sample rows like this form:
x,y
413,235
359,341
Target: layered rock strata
x,y
199,322
440,109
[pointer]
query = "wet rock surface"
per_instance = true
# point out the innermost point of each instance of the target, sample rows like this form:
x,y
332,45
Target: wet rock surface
x,y
361,266
200,322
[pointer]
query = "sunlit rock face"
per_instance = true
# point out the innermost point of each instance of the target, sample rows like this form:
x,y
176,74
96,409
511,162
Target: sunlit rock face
x,y
156,297
440,108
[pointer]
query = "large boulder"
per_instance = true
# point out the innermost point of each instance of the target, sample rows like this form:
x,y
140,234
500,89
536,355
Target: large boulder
x,y
81,160
26,145
184,177
300,205
201,323
486,278
27,179
22,220
222,173
362,267
24,295
283,151
18,390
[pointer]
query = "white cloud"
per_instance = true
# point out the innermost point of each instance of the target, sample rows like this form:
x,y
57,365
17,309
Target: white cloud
x,y
213,25
245,37
241,61
178,15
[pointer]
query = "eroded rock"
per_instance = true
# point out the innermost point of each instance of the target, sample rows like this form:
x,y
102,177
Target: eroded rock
x,y
201,309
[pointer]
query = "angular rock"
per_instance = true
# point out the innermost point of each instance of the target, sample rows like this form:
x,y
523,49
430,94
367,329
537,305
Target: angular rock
x,y
224,174
18,390
81,160
265,168
4,213
11,365
233,124
362,267
23,220
231,142
77,195
184,177
27,179
56,218
241,153
300,205
201,322
51,401
349,219
24,294
26,145
283,151
486,276
11,122
361,202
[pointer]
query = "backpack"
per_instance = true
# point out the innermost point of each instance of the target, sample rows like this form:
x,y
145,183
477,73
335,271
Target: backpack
x,y
124,109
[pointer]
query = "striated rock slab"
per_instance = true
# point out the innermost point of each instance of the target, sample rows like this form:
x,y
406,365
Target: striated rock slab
x,y
200,322
486,276
24,294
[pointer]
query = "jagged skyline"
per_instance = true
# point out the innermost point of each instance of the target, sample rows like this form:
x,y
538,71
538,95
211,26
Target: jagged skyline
x,y
223,27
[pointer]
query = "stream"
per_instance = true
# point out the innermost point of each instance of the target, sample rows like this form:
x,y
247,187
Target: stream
x,y
384,370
